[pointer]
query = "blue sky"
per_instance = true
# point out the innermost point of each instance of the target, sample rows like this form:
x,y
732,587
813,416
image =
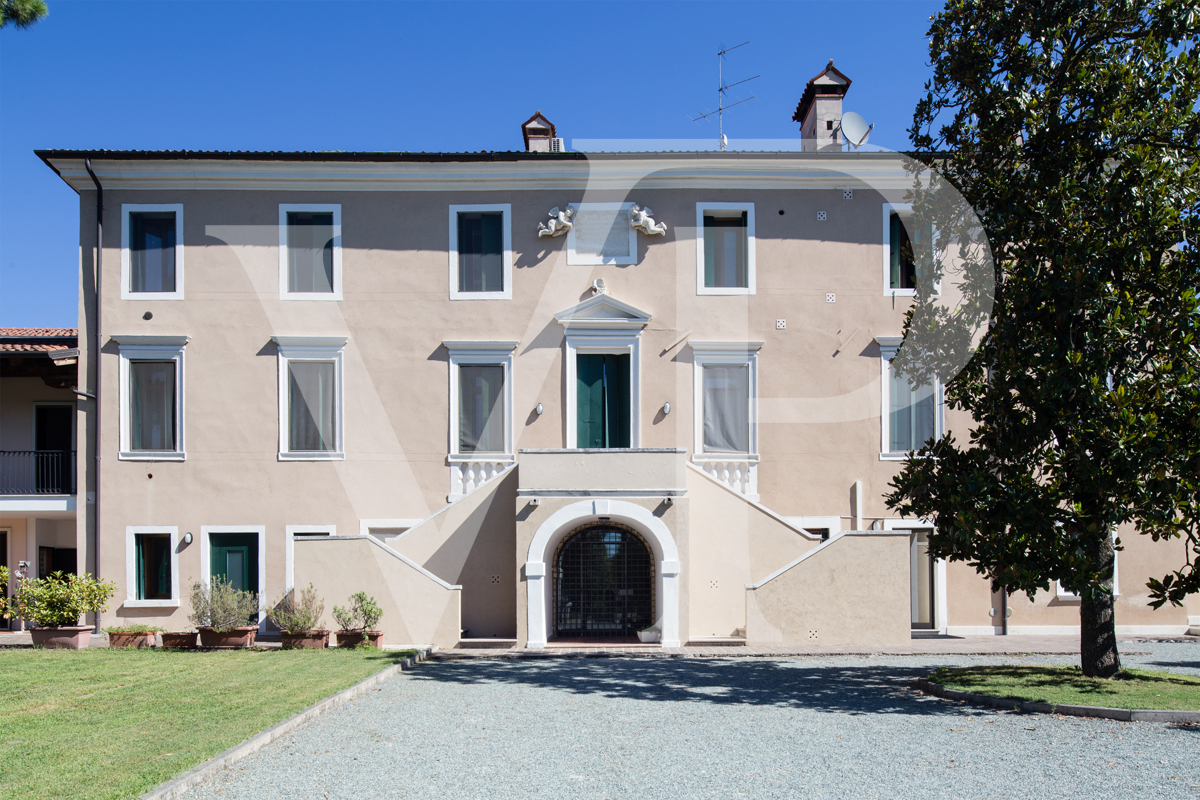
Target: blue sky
x,y
285,75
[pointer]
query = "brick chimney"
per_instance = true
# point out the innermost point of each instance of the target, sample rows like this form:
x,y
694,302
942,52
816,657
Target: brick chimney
x,y
539,134
820,110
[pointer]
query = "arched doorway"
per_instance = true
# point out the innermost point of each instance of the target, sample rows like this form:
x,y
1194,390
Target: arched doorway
x,y
603,583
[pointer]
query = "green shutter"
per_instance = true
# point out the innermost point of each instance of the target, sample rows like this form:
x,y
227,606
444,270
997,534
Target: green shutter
x,y
602,400
140,559
895,247
244,548
616,399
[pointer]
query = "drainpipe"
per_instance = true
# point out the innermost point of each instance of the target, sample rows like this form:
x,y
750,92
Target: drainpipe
x,y
87,162
1003,611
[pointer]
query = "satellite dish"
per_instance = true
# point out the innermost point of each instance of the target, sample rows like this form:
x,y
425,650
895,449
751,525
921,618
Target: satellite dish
x,y
855,129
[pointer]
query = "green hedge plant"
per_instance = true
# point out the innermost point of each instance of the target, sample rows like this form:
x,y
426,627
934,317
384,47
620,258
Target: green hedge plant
x,y
221,607
62,599
301,614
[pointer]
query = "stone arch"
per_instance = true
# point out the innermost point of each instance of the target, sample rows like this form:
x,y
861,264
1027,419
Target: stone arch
x,y
571,517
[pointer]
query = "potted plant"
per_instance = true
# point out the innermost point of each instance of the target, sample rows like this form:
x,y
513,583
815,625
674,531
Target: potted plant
x,y
297,619
179,640
224,615
651,634
120,636
358,622
55,604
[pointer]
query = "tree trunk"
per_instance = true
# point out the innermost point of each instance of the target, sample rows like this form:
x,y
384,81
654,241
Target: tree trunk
x,y
1097,622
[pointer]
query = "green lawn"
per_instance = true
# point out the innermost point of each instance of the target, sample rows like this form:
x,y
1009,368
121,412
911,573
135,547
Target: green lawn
x,y
1134,688
114,723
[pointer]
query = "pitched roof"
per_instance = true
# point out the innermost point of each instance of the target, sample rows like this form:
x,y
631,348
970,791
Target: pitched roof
x,y
15,341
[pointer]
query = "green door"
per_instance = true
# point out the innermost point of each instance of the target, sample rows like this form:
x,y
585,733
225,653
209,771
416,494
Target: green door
x,y
602,400
234,556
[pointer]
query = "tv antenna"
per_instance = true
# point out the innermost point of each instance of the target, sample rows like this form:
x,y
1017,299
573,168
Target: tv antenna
x,y
722,90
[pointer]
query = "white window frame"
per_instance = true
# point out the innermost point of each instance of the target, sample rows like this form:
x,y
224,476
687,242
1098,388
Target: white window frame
x,y
888,347
595,341
941,604
482,353
1062,594
289,552
717,353
709,208
131,598
327,208
575,259
126,261
150,348
311,348
206,560
903,209
506,228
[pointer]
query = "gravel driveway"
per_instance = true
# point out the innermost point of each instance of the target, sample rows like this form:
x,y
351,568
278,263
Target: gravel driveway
x,y
715,728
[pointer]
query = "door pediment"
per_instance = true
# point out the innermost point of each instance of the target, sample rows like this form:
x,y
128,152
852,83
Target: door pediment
x,y
603,311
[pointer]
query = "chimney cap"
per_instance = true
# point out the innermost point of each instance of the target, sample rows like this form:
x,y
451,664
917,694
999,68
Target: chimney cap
x,y
535,126
829,81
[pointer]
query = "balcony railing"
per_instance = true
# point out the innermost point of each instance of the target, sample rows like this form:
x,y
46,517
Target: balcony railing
x,y
37,472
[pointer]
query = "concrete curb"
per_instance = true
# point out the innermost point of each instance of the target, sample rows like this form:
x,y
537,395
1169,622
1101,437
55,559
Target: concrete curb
x,y
1123,714
193,777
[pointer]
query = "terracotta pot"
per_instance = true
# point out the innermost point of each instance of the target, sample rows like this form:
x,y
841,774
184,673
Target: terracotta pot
x,y
354,638
309,639
182,641
66,637
241,636
145,639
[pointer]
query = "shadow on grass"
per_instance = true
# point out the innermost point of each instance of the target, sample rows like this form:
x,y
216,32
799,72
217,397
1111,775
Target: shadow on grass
x,y
1067,684
865,689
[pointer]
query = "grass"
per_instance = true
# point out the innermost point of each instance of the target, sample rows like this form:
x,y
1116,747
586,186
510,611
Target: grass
x,y
1134,688
115,723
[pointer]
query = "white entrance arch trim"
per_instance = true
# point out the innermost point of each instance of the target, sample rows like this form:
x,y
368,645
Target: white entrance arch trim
x,y
567,519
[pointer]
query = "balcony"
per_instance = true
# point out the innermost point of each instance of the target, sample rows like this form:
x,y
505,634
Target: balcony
x,y
37,472
649,471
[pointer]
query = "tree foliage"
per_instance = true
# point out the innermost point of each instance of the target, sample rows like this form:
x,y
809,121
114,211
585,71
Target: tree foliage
x,y
1072,129
21,13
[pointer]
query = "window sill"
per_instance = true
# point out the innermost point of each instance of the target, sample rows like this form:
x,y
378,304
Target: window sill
x,y
324,297
151,604
896,456
899,292
127,295
723,290
710,456
462,458
312,456
138,455
505,295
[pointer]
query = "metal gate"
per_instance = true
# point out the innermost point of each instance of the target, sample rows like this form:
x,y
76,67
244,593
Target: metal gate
x,y
604,583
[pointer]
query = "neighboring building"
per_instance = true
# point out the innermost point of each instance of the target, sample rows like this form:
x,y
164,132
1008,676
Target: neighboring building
x,y
37,451
369,371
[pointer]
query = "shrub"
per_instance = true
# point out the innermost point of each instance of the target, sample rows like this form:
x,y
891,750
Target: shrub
x,y
131,629
6,608
363,613
61,599
221,607
292,615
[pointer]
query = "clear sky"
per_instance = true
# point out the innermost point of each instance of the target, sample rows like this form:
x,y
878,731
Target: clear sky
x,y
454,76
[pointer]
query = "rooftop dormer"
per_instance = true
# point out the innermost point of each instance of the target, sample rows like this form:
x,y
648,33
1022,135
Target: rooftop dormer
x,y
539,134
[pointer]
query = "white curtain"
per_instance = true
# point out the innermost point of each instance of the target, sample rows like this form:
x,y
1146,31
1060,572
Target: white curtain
x,y
913,418
727,408
481,408
152,410
311,403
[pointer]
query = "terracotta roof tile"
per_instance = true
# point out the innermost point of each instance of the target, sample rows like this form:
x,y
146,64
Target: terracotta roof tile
x,y
37,340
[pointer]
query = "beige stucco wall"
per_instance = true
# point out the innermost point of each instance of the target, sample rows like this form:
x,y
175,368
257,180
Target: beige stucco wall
x,y
854,590
472,543
416,608
731,543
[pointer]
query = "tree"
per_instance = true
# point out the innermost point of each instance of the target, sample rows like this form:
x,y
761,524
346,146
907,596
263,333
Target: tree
x,y
22,13
1072,129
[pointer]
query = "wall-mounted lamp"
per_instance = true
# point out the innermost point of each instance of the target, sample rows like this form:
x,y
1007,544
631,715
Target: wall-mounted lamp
x,y
534,501
187,538
538,409
667,407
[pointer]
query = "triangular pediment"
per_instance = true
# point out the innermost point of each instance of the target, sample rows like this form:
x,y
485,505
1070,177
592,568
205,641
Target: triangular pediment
x,y
603,311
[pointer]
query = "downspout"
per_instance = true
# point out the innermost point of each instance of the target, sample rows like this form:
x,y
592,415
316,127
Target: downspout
x,y
87,163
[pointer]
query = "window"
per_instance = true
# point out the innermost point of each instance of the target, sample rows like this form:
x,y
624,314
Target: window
x,y
310,252
151,571
912,414
310,398
902,239
725,248
151,386
480,252
151,251
726,412
481,399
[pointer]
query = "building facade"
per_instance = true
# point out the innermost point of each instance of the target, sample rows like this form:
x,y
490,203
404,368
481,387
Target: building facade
x,y
536,396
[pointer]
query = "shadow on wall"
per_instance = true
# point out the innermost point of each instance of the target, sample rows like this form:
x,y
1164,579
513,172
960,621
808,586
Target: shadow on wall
x,y
861,689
